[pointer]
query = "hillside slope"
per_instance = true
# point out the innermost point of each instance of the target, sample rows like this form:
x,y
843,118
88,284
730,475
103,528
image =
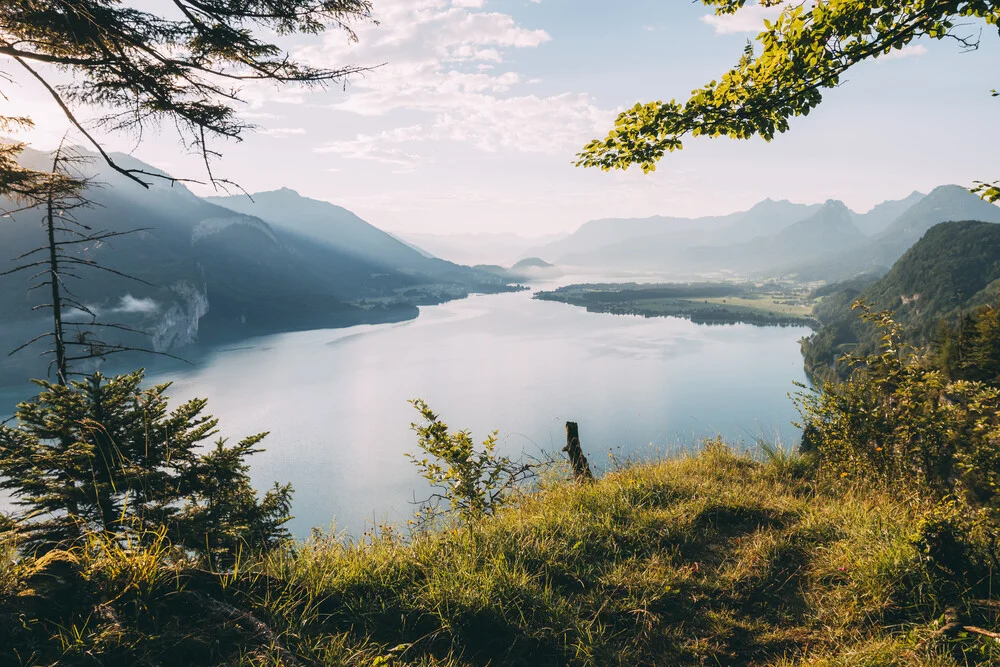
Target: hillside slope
x,y
955,263
215,274
705,560
344,231
946,203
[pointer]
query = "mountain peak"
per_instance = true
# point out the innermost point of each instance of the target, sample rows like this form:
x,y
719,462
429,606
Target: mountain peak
x,y
945,203
949,191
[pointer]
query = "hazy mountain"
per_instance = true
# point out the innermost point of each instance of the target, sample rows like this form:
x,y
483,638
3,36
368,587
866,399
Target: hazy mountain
x,y
819,241
344,231
593,239
416,247
532,263
526,270
828,229
944,204
495,249
881,216
766,219
221,275
334,225
659,243
827,241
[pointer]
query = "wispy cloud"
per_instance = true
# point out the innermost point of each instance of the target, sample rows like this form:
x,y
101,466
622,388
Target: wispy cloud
x,y
445,68
379,147
750,19
282,132
911,51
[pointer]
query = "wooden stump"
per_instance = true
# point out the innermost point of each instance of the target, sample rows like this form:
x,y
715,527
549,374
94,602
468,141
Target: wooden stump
x,y
581,469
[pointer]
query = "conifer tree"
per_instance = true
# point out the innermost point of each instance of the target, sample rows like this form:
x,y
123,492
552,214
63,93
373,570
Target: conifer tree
x,y
105,455
56,263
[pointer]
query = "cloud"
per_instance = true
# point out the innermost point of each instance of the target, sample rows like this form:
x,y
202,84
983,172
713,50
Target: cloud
x,y
378,147
911,51
750,19
131,304
282,132
445,72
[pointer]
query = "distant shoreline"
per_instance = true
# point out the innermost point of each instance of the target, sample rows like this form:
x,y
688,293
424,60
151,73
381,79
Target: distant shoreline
x,y
391,313
769,304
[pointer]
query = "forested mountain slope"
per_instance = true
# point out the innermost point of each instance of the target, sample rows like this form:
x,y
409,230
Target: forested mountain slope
x,y
215,274
955,264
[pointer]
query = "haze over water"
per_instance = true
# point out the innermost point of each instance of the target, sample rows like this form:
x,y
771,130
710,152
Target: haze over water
x,y
335,401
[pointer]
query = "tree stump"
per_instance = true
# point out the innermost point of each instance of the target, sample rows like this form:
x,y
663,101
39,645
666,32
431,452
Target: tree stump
x,y
581,469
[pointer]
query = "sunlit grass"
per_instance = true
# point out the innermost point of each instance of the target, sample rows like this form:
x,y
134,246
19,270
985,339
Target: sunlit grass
x,y
709,558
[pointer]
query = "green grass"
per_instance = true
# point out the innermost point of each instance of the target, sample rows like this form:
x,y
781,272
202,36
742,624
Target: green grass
x,y
709,559
778,305
786,304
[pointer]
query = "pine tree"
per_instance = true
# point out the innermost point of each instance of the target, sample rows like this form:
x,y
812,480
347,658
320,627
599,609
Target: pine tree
x,y
57,262
105,455
984,354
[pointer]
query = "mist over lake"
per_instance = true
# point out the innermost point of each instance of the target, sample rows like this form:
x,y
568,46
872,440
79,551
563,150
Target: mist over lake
x,y
335,401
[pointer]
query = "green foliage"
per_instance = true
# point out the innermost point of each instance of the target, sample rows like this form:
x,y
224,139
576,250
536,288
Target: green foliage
x,y
970,349
786,462
472,482
806,50
899,422
104,456
988,191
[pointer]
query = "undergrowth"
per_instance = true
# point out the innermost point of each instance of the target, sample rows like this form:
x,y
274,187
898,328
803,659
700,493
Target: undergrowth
x,y
707,559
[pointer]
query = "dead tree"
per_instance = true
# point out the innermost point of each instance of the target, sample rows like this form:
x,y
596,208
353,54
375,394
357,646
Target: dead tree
x,y
581,468
71,341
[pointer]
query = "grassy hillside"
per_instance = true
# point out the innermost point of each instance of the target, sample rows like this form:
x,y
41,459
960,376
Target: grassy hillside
x,y
712,559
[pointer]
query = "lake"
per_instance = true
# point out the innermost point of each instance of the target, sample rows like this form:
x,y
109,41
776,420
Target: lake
x,y
335,401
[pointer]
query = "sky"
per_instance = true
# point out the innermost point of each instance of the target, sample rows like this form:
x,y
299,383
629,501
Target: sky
x,y
471,121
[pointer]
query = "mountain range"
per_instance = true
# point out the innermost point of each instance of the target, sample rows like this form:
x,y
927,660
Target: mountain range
x,y
504,248
812,242
224,269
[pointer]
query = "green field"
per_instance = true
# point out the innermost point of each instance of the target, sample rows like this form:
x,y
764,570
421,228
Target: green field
x,y
708,303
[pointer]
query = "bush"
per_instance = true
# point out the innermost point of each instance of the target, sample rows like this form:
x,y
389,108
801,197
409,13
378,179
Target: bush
x,y
470,482
896,421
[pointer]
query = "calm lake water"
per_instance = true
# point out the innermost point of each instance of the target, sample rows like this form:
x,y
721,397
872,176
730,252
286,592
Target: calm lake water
x,y
335,401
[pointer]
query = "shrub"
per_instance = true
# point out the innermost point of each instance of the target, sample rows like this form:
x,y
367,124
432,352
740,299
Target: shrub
x,y
470,482
897,421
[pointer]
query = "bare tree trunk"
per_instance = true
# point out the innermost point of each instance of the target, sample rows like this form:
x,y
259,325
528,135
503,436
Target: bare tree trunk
x,y
57,326
581,468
